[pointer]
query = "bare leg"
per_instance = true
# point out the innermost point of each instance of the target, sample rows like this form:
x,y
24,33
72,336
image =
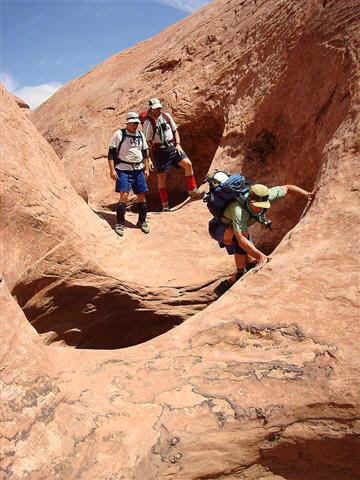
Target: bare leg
x,y
124,197
140,198
240,262
228,235
186,165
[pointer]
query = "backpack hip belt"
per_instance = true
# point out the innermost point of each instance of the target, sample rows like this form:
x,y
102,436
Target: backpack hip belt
x,y
130,163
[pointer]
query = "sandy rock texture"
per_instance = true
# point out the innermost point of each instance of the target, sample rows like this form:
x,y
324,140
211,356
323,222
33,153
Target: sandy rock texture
x,y
75,280
261,384
21,103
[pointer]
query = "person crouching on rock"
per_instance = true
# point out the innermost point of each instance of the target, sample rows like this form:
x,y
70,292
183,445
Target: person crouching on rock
x,y
233,230
163,137
129,165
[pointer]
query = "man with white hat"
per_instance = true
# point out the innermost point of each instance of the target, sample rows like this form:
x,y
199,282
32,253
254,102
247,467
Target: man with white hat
x,y
129,165
239,216
163,137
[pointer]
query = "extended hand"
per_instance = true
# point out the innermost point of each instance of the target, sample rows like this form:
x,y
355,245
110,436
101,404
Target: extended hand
x,y
264,259
311,195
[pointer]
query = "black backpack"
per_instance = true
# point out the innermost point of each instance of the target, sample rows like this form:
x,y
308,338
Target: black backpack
x,y
236,187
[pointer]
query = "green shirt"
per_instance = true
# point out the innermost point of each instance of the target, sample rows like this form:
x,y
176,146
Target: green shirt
x,y
240,218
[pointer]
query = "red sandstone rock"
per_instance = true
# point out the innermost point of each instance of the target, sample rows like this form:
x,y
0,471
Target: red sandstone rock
x,y
263,383
21,102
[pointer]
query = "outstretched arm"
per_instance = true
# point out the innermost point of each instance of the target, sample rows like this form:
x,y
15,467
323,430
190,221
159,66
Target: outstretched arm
x,y
296,189
251,250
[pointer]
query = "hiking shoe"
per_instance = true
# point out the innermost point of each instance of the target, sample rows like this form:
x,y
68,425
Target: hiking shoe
x,y
251,265
196,194
119,229
144,226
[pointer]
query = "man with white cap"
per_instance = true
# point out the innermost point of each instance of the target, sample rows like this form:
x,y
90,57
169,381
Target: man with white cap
x,y
129,165
239,216
163,137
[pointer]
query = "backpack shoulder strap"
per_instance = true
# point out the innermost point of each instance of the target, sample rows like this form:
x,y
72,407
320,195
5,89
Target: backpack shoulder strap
x,y
167,118
123,136
143,139
153,124
244,204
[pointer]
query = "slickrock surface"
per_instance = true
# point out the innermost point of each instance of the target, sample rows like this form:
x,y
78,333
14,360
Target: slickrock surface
x,y
263,384
21,103
79,283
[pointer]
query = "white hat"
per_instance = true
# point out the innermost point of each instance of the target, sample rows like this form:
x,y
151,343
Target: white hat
x,y
220,177
132,117
154,103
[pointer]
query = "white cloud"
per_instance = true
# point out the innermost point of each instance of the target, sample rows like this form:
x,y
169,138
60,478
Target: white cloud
x,y
8,81
185,5
36,95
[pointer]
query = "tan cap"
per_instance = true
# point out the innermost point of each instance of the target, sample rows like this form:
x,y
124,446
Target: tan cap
x,y
259,196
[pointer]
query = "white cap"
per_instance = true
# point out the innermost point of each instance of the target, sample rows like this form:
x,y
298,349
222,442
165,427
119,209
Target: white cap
x,y
220,177
132,117
154,103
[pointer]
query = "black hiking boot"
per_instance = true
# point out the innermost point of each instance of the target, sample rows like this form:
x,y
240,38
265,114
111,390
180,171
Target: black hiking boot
x,y
251,265
119,229
144,226
196,194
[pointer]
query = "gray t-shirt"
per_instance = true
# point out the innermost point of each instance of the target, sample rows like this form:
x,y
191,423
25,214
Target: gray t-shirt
x,y
130,150
240,218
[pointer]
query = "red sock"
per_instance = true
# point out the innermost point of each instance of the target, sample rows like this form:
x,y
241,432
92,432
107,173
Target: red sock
x,y
190,183
164,197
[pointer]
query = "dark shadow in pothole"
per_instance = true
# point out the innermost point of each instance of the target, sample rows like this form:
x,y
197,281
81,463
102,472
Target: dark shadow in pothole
x,y
323,459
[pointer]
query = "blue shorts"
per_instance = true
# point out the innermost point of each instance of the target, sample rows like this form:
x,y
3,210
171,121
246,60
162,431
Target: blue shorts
x,y
217,230
131,179
166,158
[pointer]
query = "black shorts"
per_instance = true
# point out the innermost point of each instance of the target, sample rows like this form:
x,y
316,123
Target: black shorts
x,y
167,157
217,230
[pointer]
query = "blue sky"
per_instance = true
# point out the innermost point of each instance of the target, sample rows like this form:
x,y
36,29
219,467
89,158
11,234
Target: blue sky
x,y
46,43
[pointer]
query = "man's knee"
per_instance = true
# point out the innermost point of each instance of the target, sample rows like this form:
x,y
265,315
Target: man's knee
x,y
140,197
185,163
124,196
